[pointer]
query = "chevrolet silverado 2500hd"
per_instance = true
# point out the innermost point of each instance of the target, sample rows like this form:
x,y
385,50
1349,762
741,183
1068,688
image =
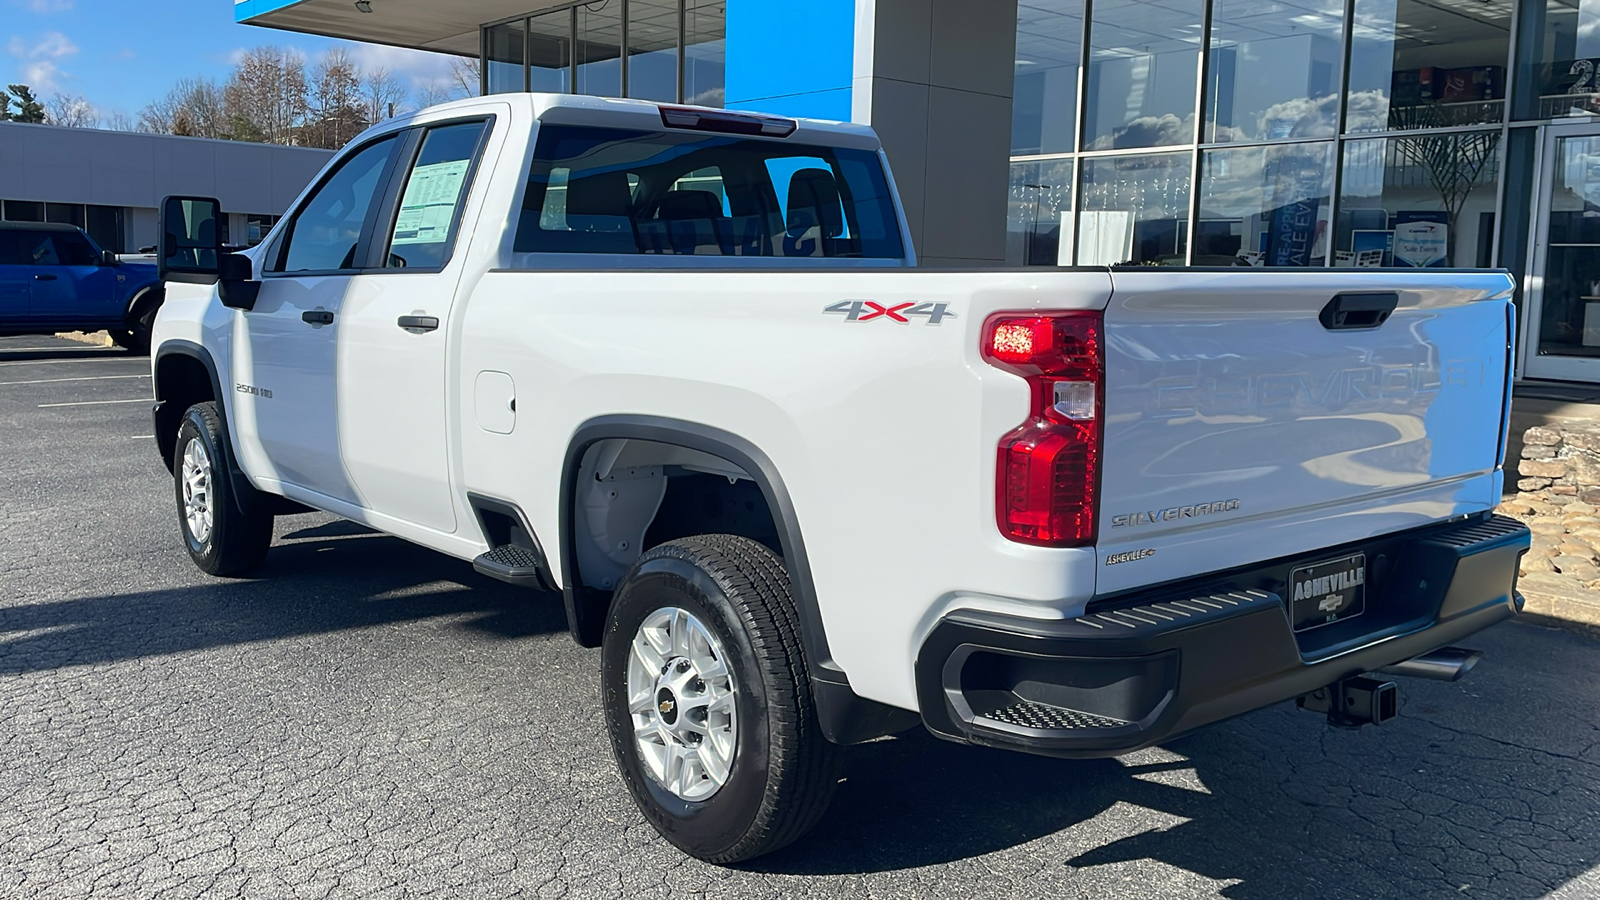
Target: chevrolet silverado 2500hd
x,y
678,365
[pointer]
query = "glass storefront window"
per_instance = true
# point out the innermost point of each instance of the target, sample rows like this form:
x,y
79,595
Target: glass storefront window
x,y
653,50
1273,71
502,52
1135,210
1569,316
599,48
1417,201
1143,56
1427,64
1265,206
1039,224
1562,72
704,53
1045,86
550,52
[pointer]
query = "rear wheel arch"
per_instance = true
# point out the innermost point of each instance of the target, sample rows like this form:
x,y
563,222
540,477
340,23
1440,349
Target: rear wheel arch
x,y
586,607
845,717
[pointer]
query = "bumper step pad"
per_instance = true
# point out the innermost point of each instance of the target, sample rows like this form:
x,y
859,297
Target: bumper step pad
x,y
1043,716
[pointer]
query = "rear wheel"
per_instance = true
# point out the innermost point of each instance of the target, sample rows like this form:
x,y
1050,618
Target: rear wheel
x,y
222,539
708,703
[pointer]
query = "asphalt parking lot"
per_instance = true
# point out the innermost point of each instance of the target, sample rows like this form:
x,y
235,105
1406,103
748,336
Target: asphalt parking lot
x,y
370,719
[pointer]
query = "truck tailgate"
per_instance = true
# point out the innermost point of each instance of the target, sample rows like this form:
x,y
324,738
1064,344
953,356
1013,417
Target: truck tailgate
x,y
1245,422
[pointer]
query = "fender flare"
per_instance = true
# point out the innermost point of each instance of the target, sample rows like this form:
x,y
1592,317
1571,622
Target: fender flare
x,y
129,315
845,717
244,492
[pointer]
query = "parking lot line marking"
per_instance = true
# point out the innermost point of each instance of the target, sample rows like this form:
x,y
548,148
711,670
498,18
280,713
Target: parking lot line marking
x,y
85,349
97,402
68,360
57,380
141,437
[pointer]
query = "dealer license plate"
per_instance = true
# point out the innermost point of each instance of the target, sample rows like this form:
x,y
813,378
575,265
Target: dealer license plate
x,y
1327,592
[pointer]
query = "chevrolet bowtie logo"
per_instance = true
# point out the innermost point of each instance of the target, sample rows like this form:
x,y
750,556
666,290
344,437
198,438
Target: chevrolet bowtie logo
x,y
666,707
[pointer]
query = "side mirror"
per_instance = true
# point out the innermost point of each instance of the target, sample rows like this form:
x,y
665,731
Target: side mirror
x,y
191,241
107,258
235,284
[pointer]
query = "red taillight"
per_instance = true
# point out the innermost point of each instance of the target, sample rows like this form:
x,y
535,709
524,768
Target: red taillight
x,y
1048,471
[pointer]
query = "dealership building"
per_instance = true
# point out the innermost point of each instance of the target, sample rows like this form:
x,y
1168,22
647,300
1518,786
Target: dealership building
x,y
110,183
1350,133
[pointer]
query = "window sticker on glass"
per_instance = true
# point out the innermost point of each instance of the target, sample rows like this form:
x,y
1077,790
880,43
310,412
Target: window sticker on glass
x,y
430,203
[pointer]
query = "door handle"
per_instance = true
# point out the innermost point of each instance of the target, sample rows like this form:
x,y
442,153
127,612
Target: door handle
x,y
1348,312
44,278
317,317
418,324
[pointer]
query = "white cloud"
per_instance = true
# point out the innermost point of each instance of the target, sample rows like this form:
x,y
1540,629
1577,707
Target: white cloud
x,y
40,59
414,69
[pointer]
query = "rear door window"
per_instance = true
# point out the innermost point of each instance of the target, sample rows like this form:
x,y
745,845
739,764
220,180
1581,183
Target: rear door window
x,y
430,205
607,190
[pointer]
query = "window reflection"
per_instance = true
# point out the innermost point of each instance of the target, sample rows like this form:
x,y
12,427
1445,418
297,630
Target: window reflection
x,y
550,52
1427,63
653,50
599,48
1418,201
502,49
1135,210
1045,87
1566,63
1264,206
1142,69
1274,69
1039,222
704,54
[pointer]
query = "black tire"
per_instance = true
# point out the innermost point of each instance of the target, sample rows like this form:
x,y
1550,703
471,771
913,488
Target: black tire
x,y
784,770
237,540
136,338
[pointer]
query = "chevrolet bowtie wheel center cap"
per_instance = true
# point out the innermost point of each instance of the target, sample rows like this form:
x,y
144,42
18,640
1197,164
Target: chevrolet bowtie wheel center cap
x,y
682,700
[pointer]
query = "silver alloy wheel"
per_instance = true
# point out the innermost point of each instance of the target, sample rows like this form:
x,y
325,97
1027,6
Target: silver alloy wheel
x,y
681,697
197,496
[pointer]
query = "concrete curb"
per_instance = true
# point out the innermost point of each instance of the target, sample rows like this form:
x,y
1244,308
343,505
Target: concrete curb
x,y
97,338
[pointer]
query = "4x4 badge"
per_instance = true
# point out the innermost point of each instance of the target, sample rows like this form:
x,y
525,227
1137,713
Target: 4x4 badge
x,y
867,310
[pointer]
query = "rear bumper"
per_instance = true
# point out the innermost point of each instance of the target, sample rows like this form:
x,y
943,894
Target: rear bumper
x,y
1144,668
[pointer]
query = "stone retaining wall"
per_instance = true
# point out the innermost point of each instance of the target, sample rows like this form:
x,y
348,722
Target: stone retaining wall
x,y
1558,495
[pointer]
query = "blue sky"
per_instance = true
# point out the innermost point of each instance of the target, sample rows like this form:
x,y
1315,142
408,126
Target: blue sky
x,y
121,54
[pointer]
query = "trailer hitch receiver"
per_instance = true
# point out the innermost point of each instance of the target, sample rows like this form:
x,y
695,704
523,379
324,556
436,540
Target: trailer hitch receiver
x,y
1354,702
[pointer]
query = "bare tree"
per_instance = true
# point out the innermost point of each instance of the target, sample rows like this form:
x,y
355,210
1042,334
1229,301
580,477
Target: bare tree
x,y
381,95
335,113
121,121
466,76
195,107
73,111
266,97
433,93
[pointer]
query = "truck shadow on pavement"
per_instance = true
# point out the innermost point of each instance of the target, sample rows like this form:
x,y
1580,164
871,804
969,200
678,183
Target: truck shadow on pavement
x,y
1274,804
337,577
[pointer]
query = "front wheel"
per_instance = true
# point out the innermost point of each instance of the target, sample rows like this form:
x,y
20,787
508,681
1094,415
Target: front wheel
x,y
222,539
707,700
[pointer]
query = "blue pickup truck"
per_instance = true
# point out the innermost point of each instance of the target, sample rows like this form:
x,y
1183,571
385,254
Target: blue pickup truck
x,y
54,278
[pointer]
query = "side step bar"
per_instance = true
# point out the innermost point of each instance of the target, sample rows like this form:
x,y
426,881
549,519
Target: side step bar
x,y
511,564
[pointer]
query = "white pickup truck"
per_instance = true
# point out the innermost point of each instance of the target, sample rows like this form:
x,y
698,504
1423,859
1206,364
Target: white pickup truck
x,y
678,364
